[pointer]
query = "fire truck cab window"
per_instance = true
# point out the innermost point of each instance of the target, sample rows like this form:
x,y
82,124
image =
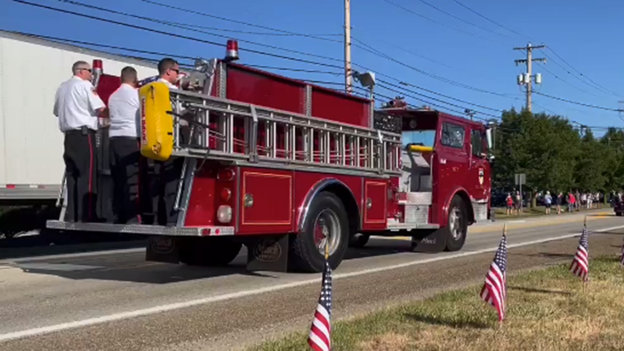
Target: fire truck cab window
x,y
476,139
453,135
419,137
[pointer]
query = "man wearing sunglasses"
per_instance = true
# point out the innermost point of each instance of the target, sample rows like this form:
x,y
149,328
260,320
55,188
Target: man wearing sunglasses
x,y
168,172
77,106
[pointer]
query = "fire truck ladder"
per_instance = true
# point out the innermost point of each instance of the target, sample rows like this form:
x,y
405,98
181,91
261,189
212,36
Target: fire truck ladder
x,y
245,134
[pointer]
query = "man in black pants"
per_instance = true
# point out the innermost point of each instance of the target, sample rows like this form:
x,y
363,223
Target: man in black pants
x,y
168,172
125,153
77,105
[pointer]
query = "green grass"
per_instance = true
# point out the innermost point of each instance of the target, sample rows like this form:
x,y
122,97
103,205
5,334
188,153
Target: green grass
x,y
546,310
533,212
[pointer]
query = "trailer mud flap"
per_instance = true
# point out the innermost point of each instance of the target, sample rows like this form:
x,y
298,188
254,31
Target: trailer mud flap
x,y
163,249
429,240
268,254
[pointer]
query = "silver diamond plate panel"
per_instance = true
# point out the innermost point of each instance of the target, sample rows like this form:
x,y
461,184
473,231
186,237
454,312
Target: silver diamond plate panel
x,y
480,211
416,214
419,198
140,229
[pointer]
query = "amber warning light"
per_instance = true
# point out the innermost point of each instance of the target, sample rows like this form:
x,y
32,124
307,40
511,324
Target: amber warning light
x,y
231,53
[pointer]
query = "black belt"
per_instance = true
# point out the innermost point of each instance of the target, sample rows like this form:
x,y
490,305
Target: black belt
x,y
125,137
83,131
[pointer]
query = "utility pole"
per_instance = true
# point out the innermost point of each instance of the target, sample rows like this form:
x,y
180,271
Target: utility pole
x,y
347,47
527,78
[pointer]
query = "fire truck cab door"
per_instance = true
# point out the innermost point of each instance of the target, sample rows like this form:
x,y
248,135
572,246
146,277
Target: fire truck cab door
x,y
453,162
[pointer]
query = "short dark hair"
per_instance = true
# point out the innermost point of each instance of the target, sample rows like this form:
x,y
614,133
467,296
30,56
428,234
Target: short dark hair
x,y
129,75
165,64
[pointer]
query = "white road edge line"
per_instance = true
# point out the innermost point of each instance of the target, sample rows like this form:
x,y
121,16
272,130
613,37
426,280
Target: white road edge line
x,y
212,299
73,255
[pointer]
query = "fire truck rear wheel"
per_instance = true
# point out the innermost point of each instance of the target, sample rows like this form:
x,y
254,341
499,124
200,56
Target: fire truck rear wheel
x,y
208,251
326,218
457,226
359,240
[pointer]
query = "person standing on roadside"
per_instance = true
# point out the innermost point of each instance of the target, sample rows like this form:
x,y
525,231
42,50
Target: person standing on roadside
x,y
77,106
125,151
547,202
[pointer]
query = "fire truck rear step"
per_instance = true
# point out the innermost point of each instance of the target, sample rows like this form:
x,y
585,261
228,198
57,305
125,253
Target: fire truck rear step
x,y
141,229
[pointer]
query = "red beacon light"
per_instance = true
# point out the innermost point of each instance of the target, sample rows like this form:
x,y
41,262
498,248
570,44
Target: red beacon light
x,y
98,66
231,53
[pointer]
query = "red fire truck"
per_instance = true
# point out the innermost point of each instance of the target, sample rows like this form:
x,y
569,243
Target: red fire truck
x,y
285,168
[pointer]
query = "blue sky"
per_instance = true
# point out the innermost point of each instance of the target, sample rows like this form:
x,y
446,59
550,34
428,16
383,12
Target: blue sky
x,y
583,33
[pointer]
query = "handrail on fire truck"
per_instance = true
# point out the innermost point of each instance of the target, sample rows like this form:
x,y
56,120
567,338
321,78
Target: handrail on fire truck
x,y
275,136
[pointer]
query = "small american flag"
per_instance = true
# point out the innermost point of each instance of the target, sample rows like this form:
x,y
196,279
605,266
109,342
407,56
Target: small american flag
x,y
320,331
580,263
622,257
494,290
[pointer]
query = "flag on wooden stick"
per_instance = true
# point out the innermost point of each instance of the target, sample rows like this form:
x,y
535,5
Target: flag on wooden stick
x,y
494,290
580,262
319,338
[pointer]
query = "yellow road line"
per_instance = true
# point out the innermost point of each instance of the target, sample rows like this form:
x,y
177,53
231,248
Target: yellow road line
x,y
518,225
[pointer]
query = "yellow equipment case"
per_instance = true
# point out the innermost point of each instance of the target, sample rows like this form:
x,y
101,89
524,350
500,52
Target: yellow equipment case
x,y
156,121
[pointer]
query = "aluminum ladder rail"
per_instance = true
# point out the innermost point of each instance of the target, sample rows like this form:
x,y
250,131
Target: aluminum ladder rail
x,y
359,149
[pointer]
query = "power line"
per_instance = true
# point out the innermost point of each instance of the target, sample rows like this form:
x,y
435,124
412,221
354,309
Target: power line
x,y
147,29
436,93
579,103
490,20
429,102
374,51
184,26
460,19
317,37
437,22
582,75
412,53
448,81
565,81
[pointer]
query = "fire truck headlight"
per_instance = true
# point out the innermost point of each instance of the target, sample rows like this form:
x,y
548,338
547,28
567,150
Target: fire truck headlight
x,y
224,214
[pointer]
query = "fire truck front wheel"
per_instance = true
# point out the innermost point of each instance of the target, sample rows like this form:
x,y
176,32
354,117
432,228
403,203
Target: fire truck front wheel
x,y
208,251
457,226
326,223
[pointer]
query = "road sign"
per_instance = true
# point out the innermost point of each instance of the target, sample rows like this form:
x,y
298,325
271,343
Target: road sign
x,y
520,178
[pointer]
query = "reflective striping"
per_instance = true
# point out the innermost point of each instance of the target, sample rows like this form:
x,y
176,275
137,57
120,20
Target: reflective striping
x,y
29,186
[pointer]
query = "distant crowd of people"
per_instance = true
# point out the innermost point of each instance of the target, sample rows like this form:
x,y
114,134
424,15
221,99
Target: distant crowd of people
x,y
573,201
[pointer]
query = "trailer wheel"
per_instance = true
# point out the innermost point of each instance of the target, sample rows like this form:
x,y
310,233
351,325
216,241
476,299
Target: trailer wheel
x,y
327,222
208,251
456,229
359,240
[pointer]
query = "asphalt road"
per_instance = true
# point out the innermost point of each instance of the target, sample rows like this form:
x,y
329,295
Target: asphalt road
x,y
117,301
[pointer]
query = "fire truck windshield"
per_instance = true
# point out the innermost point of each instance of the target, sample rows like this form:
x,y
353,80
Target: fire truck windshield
x,y
424,137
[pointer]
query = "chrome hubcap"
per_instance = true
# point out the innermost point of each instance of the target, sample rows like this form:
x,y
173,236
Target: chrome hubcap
x,y
327,231
455,223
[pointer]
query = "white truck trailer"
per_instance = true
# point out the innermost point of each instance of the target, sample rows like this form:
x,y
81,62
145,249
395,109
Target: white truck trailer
x,y
31,145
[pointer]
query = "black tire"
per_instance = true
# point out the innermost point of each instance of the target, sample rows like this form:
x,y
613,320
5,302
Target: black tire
x,y
306,256
208,251
455,239
359,240
618,213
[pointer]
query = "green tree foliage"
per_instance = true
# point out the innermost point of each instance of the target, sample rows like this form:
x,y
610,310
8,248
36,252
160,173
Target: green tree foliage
x,y
556,155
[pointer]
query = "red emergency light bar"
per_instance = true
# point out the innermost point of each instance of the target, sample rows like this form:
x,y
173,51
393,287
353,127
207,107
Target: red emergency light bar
x,y
231,53
97,64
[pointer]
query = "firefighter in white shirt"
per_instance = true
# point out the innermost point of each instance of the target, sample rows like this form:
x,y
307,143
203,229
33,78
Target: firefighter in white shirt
x,y
168,172
123,106
77,106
